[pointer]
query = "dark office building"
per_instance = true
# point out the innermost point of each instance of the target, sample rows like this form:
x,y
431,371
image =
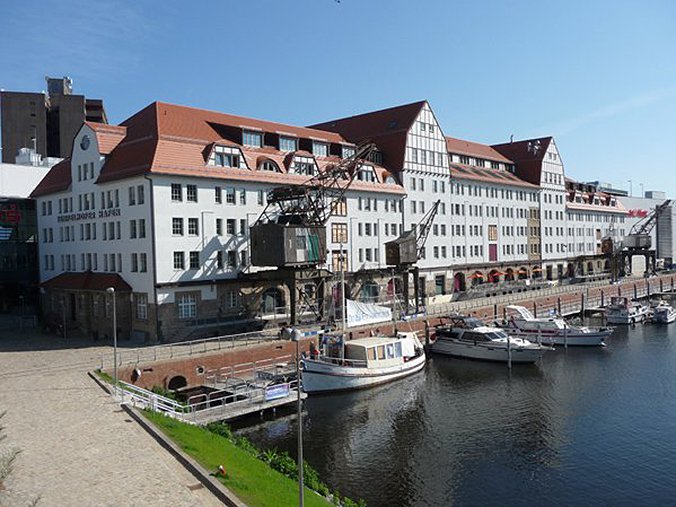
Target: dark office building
x,y
46,122
18,254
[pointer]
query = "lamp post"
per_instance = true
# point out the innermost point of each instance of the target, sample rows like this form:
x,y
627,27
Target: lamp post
x,y
295,336
111,291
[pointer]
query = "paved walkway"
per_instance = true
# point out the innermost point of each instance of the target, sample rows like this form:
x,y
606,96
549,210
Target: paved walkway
x,y
78,448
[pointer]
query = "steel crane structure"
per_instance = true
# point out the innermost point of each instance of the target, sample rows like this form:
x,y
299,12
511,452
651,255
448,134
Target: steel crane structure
x,y
290,233
637,242
405,251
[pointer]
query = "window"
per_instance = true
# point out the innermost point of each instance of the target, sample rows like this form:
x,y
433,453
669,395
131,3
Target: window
x,y
232,259
320,149
193,226
176,192
141,306
242,196
348,151
141,228
304,165
261,198
219,226
339,233
194,260
132,229
132,196
143,263
268,165
242,227
341,208
230,196
288,143
140,197
187,306
191,193
179,260
243,259
492,233
134,262
218,195
219,259
226,159
177,226
252,138
230,225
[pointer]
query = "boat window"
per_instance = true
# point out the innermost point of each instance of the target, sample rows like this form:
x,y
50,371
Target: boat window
x,y
381,351
390,350
371,352
474,337
397,349
496,335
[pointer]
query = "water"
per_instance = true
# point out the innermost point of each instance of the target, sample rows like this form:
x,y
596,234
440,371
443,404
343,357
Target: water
x,y
593,426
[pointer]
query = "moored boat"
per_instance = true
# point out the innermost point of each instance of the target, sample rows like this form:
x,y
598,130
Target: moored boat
x,y
468,337
623,311
356,364
663,313
521,323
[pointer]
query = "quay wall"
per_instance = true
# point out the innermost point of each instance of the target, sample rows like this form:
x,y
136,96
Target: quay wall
x,y
199,369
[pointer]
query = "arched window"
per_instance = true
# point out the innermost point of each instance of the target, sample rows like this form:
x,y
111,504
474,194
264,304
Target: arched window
x,y
268,165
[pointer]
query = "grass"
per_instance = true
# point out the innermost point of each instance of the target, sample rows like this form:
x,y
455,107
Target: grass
x,y
252,480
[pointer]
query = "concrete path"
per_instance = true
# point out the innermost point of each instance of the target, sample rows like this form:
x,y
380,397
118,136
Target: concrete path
x,y
78,448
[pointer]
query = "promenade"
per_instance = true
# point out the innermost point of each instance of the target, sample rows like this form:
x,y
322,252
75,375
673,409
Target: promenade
x,y
78,448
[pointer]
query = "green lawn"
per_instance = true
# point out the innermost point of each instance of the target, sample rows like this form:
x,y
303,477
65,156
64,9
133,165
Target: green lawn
x,y
252,480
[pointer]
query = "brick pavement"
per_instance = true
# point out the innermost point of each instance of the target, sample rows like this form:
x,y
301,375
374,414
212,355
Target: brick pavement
x,y
78,447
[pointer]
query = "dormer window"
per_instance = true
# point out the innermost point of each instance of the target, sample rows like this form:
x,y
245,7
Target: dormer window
x,y
366,173
250,138
320,149
268,165
480,162
288,143
223,156
376,157
304,165
348,151
464,159
495,165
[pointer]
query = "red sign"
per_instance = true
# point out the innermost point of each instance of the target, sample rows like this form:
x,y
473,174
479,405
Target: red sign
x,y
10,214
640,213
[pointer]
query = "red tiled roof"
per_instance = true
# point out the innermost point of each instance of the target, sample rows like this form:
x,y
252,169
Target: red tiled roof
x,y
473,149
56,180
87,281
387,128
528,162
108,136
177,140
501,177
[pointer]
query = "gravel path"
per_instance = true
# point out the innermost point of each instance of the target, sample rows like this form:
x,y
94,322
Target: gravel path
x,y
78,448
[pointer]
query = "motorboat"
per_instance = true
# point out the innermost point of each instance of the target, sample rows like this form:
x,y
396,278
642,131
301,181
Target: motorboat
x,y
663,313
623,311
468,337
521,323
341,364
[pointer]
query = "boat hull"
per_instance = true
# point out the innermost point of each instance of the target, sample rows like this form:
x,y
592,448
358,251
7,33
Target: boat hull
x,y
319,377
626,319
574,339
664,319
485,353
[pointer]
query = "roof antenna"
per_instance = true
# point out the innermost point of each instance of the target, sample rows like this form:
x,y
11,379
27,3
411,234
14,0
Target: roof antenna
x,y
511,138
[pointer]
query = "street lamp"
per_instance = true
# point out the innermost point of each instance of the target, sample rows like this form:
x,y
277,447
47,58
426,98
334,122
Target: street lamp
x,y
111,291
295,336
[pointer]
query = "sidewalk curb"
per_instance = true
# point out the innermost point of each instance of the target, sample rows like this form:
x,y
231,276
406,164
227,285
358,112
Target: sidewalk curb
x,y
197,470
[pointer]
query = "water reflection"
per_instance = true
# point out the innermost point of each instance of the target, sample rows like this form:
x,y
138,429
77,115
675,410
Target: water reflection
x,y
472,433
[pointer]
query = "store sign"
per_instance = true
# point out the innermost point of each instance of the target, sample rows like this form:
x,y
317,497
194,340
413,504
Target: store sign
x,y
638,213
89,215
10,215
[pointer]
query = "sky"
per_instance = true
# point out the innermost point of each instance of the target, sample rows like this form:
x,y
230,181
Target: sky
x,y
599,76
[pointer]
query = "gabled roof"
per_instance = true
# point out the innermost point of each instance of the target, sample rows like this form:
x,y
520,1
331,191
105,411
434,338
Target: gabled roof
x,y
472,149
527,156
500,177
56,180
108,136
87,281
387,128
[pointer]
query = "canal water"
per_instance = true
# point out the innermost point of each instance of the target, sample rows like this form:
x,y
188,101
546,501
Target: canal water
x,y
592,426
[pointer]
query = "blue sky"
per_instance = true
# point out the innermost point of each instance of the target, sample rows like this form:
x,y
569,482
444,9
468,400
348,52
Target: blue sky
x,y
599,76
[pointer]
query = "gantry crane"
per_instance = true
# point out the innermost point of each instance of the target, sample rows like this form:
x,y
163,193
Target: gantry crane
x,y
637,242
405,251
290,233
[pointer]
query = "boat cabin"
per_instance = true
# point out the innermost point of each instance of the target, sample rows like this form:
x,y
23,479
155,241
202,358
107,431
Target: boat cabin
x,y
370,352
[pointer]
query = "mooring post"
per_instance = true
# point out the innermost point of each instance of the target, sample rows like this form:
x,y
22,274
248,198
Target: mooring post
x,y
582,304
558,304
661,285
495,311
535,309
635,292
647,288
602,299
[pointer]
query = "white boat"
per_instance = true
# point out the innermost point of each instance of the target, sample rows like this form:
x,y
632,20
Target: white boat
x,y
663,313
468,337
623,311
364,362
521,323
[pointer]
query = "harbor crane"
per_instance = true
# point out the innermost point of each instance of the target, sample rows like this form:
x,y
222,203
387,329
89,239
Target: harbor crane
x,y
637,242
405,252
290,233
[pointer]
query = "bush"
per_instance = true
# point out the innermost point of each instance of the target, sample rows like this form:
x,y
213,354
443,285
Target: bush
x,y
220,428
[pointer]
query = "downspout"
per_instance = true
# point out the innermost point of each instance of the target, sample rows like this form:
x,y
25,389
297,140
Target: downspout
x,y
154,252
